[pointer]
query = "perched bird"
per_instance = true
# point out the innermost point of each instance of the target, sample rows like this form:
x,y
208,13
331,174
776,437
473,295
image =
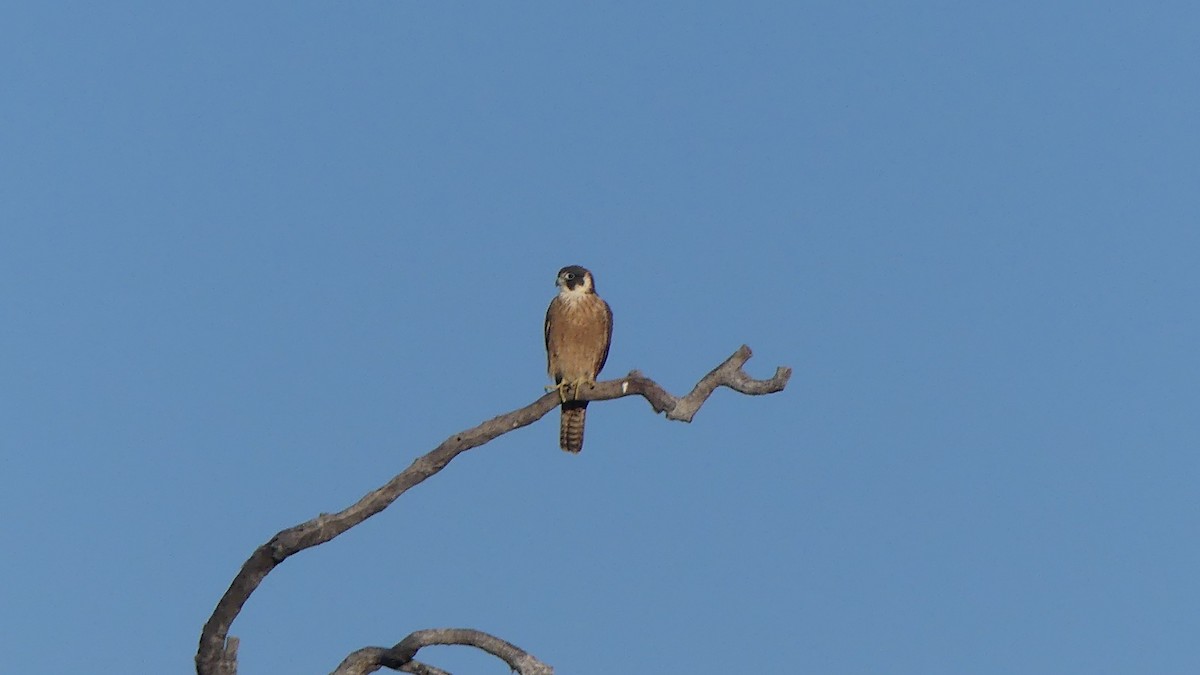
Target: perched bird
x,y
578,332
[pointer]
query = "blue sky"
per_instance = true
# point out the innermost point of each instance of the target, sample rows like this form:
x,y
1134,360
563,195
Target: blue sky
x,y
255,259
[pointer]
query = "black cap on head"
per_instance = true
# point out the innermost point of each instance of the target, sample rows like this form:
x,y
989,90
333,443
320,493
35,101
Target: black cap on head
x,y
572,276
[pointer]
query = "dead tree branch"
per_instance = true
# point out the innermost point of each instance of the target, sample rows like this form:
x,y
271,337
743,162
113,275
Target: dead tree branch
x,y
400,657
217,652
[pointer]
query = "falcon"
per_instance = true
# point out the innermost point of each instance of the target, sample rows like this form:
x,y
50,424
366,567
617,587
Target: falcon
x,y
578,332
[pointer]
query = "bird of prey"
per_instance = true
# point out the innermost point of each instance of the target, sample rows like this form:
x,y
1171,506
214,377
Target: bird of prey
x,y
578,332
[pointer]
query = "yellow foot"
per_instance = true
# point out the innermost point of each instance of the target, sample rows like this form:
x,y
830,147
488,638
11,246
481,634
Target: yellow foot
x,y
562,390
579,383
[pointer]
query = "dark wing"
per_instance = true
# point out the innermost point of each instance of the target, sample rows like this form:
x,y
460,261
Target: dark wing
x,y
608,321
549,313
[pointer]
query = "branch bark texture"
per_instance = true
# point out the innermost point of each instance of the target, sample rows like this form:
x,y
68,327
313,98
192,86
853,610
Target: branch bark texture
x,y
216,656
400,657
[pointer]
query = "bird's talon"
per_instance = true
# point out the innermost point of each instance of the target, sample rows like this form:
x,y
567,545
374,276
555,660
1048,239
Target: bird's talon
x,y
561,388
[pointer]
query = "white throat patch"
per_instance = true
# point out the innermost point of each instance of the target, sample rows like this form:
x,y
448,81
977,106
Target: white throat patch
x,y
572,295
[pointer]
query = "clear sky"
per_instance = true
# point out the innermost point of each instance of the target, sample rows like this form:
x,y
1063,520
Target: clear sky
x,y
257,257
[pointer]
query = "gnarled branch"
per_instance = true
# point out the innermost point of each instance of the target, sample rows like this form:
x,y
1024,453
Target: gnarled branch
x,y
400,657
728,374
215,656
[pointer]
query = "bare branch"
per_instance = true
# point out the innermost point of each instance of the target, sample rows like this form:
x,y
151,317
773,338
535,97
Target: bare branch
x,y
400,657
227,659
214,657
371,659
418,668
728,374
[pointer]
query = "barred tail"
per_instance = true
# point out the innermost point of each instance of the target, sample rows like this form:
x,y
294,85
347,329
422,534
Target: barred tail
x,y
570,430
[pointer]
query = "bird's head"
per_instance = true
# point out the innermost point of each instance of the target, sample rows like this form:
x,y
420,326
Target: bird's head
x,y
574,279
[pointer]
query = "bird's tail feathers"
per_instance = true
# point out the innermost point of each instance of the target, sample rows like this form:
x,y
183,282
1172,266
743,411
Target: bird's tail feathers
x,y
570,430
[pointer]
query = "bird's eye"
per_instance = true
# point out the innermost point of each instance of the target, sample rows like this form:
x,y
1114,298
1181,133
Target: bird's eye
x,y
570,276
